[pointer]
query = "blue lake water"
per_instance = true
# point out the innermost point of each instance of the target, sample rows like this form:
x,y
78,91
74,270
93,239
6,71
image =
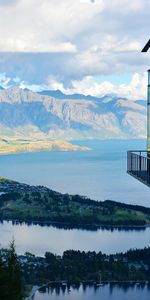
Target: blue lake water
x,y
106,292
99,173
39,239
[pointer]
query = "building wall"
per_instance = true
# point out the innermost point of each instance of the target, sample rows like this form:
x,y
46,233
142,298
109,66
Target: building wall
x,y
148,113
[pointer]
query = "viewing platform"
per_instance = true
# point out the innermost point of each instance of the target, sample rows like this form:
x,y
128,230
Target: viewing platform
x,y
138,165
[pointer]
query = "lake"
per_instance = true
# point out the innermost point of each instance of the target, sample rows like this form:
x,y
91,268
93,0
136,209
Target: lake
x,y
39,239
106,292
99,173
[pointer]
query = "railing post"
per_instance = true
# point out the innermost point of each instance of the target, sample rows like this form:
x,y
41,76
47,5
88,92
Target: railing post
x,y
138,165
140,162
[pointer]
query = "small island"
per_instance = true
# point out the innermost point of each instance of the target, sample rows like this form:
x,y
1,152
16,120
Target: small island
x,y
22,202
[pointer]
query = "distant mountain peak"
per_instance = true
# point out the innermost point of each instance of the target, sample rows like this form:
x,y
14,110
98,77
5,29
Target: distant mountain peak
x,y
34,115
60,95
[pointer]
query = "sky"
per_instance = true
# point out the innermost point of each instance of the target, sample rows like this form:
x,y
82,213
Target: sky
x,y
82,46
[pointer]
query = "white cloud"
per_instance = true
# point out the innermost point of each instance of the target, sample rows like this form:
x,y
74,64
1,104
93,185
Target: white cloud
x,y
136,89
37,26
84,38
4,80
21,46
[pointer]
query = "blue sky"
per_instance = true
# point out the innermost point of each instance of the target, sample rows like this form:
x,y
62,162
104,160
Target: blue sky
x,y
77,46
116,79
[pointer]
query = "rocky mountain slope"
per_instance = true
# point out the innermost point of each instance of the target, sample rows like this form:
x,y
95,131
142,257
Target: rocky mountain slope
x,y
40,116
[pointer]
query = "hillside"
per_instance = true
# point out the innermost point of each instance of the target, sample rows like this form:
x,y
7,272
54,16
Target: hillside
x,y
23,202
25,114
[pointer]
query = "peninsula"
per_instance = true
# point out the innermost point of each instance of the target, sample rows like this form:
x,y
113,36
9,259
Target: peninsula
x,y
22,202
13,145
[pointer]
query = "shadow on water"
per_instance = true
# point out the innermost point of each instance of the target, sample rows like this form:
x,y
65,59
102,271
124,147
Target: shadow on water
x,y
79,227
111,289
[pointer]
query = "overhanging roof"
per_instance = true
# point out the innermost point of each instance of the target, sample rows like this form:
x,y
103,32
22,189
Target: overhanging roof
x,y
146,47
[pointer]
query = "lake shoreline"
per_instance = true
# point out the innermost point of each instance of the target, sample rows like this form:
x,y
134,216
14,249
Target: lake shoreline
x,y
38,204
75,267
67,225
91,283
13,145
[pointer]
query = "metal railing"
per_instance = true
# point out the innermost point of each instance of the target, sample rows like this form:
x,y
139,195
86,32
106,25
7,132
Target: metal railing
x,y
138,165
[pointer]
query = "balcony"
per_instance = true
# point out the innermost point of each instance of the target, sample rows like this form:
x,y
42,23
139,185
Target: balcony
x,y
138,165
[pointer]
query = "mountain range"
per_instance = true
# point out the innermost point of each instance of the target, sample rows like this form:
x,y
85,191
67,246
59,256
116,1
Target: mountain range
x,y
54,115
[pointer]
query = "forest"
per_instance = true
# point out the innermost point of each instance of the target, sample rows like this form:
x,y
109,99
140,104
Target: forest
x,y
35,205
18,273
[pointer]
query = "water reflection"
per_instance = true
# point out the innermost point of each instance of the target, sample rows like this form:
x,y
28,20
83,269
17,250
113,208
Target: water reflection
x,y
38,239
89,291
79,227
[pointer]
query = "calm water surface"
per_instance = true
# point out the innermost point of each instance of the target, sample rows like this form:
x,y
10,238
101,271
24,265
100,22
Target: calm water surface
x,y
37,239
106,292
99,174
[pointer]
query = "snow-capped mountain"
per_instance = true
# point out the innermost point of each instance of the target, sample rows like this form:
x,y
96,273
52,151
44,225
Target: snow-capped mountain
x,y
25,113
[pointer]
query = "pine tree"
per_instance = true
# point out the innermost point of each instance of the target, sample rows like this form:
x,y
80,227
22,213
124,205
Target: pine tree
x,y
14,287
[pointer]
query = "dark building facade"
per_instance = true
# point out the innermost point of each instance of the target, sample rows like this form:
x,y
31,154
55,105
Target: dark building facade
x,y
138,162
